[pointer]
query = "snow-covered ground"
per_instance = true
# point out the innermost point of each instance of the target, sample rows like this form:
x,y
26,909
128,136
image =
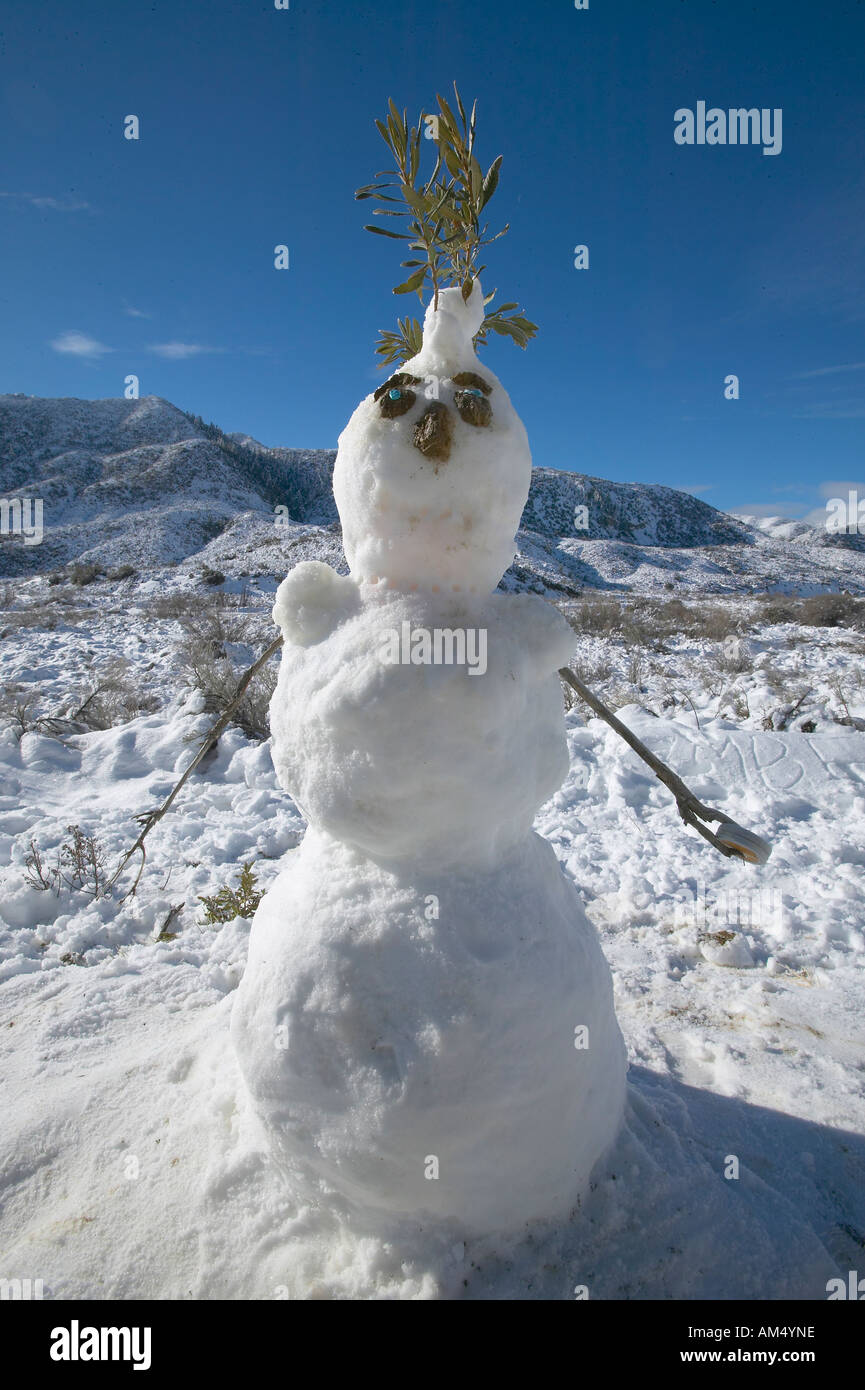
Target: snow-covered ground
x,y
131,1166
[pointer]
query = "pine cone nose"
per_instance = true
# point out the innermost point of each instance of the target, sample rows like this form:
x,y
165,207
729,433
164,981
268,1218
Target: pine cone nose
x,y
432,433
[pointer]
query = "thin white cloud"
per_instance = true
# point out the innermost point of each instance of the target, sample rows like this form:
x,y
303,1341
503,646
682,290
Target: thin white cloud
x,y
832,410
794,511
75,344
38,200
801,511
696,488
135,313
178,351
836,489
831,371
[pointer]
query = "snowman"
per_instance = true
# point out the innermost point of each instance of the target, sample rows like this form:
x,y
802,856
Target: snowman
x,y
425,1026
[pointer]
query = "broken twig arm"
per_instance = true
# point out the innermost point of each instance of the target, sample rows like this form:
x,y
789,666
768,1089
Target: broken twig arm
x,y
692,811
149,818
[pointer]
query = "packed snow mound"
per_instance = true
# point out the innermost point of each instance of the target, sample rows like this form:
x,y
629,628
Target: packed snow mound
x,y
419,1059
421,976
425,1026
448,329
433,471
417,760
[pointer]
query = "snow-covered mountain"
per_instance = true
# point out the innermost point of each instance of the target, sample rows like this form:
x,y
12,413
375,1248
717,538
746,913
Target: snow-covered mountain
x,y
141,482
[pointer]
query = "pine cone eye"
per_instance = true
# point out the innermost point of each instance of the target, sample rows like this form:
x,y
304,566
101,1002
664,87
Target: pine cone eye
x,y
396,402
394,397
473,406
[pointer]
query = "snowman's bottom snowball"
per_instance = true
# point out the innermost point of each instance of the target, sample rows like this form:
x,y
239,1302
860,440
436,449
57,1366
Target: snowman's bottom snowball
x,y
408,1040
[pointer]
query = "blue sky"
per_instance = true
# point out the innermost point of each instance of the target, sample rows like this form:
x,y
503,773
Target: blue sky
x,y
155,256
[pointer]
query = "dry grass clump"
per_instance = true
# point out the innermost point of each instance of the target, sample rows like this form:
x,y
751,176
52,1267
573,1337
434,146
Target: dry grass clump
x,y
820,610
211,669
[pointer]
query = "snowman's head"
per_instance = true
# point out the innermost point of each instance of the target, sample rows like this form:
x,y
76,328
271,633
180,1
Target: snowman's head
x,y
433,468
446,360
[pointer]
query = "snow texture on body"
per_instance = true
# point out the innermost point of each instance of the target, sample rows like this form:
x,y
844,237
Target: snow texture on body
x,y
426,1024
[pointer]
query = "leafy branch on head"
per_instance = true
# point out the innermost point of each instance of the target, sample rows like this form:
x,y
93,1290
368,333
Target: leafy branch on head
x,y
444,221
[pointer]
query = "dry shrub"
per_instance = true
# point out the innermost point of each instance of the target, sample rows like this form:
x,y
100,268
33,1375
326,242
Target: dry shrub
x,y
778,608
596,616
832,610
212,671
84,572
180,606
731,658
38,616
113,698
717,623
80,866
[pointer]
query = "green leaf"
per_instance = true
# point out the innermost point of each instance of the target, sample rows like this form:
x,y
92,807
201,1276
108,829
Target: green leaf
x,y
491,181
441,206
413,198
415,153
383,231
491,239
396,142
451,160
444,109
460,106
432,178
413,282
477,178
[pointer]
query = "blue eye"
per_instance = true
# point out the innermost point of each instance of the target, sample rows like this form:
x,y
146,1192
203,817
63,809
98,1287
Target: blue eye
x,y
473,391
394,393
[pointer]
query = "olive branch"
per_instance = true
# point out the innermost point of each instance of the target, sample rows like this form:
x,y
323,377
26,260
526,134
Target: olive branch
x,y
444,220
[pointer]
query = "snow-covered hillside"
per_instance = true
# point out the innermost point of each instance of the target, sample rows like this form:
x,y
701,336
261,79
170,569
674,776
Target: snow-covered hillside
x,y
142,483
